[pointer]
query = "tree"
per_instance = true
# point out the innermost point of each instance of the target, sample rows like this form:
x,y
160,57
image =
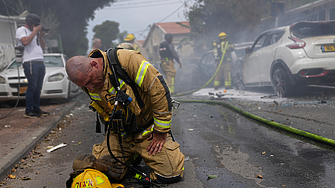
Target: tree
x,y
71,16
107,32
237,18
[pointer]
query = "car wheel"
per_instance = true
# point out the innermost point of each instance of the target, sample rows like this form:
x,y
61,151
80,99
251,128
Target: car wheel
x,y
280,82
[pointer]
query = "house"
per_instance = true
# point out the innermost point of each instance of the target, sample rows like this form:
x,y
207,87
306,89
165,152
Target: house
x,y
181,42
139,43
321,10
8,26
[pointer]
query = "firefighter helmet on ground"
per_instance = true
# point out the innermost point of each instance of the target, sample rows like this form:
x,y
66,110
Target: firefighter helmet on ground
x,y
33,18
168,36
93,178
130,37
222,35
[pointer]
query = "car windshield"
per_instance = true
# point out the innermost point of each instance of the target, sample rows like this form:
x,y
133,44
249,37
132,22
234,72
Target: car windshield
x,y
313,29
14,65
53,61
49,61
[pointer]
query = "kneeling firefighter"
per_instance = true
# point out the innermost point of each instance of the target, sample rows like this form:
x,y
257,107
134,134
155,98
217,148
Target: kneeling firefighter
x,y
224,58
132,100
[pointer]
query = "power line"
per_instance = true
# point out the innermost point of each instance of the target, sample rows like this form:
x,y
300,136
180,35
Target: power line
x,y
141,6
172,13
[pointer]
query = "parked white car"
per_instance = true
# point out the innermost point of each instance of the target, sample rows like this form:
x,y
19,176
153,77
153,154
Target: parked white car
x,y
55,85
291,56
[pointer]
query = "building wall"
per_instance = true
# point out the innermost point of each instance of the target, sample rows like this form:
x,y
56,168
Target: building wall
x,y
7,42
157,36
320,11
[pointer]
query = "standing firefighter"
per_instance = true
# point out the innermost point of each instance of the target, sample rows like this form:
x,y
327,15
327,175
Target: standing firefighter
x,y
167,54
139,125
224,58
130,38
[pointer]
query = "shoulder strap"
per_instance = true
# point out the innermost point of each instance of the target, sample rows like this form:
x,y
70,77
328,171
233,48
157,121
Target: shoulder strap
x,y
114,61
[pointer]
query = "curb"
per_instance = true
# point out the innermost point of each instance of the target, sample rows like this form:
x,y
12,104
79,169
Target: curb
x,y
21,150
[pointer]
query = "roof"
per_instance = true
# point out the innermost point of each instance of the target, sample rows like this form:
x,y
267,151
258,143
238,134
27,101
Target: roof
x,y
175,27
140,41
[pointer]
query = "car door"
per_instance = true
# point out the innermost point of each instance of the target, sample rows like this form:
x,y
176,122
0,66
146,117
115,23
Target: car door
x,y
251,64
267,55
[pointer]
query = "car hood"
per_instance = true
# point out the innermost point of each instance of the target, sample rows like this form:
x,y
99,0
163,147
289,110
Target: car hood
x,y
48,71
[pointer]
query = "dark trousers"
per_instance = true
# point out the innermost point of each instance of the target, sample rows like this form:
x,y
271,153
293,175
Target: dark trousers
x,y
34,72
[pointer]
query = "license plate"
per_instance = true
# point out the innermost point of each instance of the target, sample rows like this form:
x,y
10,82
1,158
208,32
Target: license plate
x,y
328,48
23,89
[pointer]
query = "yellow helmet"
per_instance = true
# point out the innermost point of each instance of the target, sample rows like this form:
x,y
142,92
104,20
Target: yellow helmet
x,y
222,35
93,179
130,37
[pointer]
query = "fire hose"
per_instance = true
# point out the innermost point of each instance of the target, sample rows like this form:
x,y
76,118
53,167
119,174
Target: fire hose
x,y
268,122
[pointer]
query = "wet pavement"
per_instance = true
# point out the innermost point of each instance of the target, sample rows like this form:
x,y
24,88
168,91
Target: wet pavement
x,y
215,140
312,114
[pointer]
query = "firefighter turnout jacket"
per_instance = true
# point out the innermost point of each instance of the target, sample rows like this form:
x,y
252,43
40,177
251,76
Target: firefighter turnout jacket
x,y
157,113
167,51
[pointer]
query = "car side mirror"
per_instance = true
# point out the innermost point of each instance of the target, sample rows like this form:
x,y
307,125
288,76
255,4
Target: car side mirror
x,y
247,50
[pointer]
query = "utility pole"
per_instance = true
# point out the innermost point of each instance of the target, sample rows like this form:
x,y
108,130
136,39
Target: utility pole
x,y
277,8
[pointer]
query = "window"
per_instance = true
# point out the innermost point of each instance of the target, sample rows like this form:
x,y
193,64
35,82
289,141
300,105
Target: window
x,y
332,14
322,15
53,61
304,30
259,43
312,17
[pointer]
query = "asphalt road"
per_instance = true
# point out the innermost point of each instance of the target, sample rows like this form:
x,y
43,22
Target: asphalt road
x,y
215,141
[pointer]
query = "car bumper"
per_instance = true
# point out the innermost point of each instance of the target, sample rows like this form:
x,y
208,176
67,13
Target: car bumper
x,y
325,77
307,63
49,90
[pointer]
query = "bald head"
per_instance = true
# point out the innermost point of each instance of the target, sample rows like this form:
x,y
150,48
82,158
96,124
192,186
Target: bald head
x,y
77,65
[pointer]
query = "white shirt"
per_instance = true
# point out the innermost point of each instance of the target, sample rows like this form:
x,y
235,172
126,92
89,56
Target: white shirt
x,y
32,51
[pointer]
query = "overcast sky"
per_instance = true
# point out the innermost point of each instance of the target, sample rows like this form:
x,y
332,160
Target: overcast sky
x,y
136,15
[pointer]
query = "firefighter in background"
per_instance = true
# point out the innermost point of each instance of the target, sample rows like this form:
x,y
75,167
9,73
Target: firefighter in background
x,y
224,49
131,39
167,54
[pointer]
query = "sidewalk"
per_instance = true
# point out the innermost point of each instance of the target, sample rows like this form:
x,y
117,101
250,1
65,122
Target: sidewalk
x,y
19,135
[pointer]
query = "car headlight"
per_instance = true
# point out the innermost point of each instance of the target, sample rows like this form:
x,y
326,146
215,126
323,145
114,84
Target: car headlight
x,y
2,80
56,77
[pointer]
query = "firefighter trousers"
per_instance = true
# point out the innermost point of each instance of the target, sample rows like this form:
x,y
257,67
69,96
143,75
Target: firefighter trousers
x,y
225,70
169,72
168,163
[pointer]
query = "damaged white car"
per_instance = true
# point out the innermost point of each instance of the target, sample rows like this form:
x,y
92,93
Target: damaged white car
x,y
286,57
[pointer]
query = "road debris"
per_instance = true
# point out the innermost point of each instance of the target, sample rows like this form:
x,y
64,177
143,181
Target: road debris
x,y
211,176
56,147
25,178
11,176
259,176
